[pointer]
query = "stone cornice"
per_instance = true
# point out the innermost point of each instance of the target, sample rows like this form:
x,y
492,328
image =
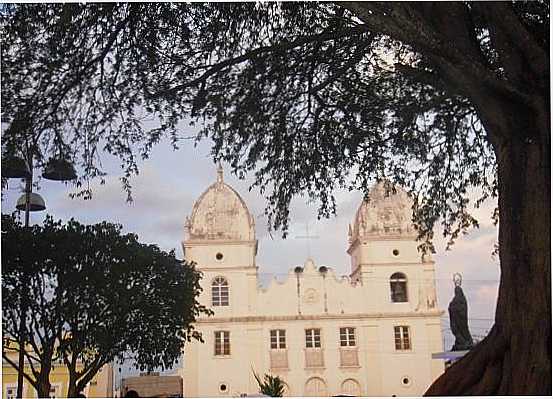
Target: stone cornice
x,y
227,268
350,316
205,242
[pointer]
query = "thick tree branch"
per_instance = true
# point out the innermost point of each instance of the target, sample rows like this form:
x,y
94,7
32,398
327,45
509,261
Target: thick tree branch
x,y
461,72
420,75
252,54
14,365
518,50
90,372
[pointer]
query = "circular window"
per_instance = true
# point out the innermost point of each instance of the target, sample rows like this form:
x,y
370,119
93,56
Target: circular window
x,y
219,256
406,381
223,387
395,252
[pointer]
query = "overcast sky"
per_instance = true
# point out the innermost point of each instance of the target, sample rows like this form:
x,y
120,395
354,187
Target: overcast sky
x,y
170,181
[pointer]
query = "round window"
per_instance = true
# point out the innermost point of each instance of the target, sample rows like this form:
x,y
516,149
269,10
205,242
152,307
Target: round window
x,y
223,387
395,252
219,256
406,381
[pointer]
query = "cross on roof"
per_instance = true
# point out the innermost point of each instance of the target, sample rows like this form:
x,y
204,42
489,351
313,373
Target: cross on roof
x,y
307,237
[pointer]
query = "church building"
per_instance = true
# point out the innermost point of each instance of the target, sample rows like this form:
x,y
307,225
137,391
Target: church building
x,y
371,333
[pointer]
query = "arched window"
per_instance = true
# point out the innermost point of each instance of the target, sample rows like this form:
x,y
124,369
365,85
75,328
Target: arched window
x,y
219,292
398,287
315,387
350,387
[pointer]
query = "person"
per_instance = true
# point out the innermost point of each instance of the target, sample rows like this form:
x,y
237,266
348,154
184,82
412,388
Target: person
x,y
131,394
80,395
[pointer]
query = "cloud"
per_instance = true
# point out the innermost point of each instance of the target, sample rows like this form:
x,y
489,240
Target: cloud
x,y
487,293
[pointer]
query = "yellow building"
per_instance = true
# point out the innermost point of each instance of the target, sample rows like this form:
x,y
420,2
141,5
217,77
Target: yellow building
x,y
100,387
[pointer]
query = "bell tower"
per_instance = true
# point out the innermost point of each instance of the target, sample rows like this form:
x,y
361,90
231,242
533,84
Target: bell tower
x,y
220,239
384,254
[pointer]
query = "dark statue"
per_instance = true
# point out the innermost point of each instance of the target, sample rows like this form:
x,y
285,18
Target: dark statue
x,y
458,320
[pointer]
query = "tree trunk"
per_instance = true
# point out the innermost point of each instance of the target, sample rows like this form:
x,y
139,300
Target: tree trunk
x,y
72,384
43,383
515,358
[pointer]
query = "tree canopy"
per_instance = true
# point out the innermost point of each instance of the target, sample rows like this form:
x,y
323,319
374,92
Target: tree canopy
x,y
94,294
305,94
438,97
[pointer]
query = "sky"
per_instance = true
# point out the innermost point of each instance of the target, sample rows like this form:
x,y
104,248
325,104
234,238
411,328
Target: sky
x,y
170,181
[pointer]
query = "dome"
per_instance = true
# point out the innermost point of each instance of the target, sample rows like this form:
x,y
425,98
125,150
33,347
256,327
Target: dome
x,y
384,213
220,214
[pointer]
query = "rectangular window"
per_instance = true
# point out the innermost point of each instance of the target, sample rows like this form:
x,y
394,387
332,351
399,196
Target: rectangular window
x,y
220,296
278,339
401,335
347,336
222,343
313,338
11,391
220,292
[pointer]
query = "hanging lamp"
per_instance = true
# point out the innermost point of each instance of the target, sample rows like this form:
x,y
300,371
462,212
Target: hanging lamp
x,y
14,167
36,203
59,169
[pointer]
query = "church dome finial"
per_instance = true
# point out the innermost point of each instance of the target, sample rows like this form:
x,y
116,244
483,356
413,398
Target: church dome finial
x,y
219,173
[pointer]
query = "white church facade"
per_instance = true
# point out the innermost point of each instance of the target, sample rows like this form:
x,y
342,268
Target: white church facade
x,y
371,333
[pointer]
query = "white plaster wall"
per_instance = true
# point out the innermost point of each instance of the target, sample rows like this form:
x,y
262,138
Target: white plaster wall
x,y
253,312
323,301
381,251
235,254
381,367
